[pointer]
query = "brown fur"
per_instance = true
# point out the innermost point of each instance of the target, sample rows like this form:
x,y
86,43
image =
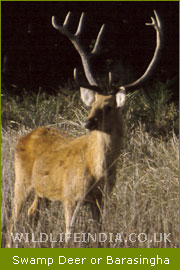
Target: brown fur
x,y
59,167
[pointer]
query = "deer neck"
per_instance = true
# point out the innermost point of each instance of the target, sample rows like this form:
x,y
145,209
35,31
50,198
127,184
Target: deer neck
x,y
103,142
104,150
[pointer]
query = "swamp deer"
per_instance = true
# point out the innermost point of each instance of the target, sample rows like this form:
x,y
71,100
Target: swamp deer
x,y
76,170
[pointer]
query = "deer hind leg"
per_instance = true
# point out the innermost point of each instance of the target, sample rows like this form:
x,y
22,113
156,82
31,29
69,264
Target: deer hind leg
x,y
23,185
20,195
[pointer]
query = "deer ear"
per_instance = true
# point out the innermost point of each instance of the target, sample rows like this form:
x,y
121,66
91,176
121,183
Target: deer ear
x,y
87,96
120,98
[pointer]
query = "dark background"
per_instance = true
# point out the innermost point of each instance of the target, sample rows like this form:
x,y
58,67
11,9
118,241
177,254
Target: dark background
x,y
34,54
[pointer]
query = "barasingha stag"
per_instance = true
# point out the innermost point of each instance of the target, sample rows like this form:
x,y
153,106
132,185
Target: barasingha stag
x,y
77,170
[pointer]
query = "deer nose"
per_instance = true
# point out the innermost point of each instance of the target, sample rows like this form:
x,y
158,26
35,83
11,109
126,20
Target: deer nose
x,y
91,124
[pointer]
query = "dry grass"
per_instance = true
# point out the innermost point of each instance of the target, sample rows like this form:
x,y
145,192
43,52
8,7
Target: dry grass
x,y
144,203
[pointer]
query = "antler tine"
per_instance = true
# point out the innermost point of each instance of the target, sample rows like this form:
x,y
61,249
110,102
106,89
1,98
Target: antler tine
x,y
98,40
63,29
85,58
67,19
157,26
80,25
110,79
54,22
75,74
155,21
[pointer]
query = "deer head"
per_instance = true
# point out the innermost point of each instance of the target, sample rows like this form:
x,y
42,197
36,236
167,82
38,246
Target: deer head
x,y
104,106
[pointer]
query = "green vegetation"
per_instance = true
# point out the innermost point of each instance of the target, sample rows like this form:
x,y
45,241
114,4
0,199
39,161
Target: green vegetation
x,y
145,199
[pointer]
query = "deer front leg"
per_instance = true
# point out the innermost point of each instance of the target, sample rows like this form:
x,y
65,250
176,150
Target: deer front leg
x,y
33,207
68,213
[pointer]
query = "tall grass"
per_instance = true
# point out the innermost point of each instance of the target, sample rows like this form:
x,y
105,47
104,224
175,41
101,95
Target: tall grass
x,y
144,203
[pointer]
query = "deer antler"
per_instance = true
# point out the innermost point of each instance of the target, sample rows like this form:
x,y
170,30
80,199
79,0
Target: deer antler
x,y
157,26
74,38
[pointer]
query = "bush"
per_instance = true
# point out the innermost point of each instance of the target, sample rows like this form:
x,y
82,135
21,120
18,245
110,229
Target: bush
x,y
154,109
